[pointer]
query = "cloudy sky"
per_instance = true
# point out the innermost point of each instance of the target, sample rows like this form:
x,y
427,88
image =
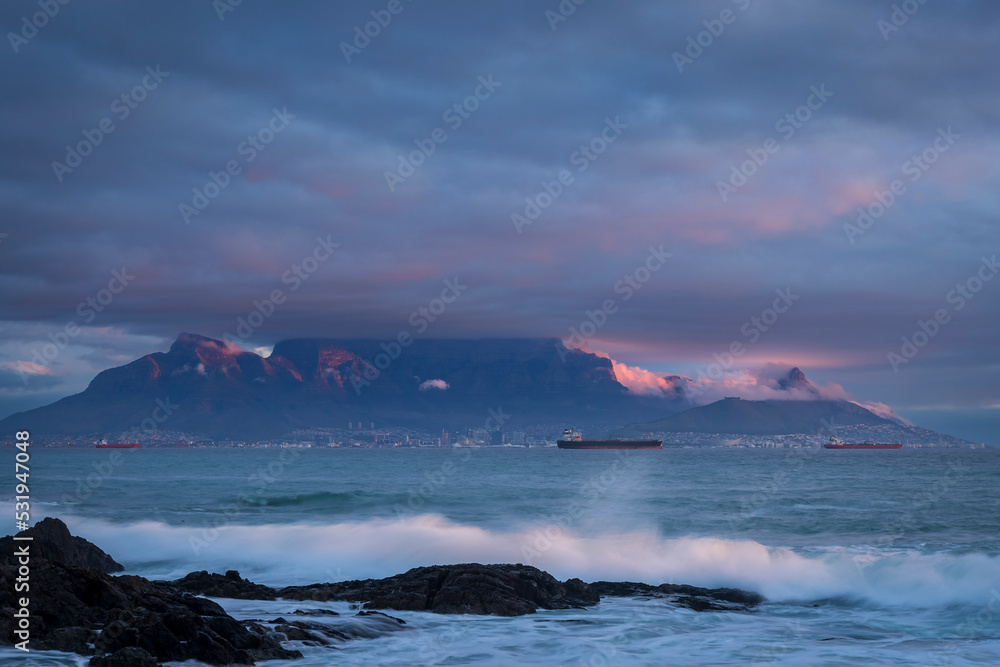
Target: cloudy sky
x,y
740,136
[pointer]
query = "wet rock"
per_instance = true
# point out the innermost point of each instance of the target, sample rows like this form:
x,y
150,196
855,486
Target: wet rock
x,y
313,633
53,541
72,607
69,640
380,614
126,657
228,585
500,590
692,597
314,612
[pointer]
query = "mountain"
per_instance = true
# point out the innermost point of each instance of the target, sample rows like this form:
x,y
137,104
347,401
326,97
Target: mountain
x,y
206,387
797,380
734,415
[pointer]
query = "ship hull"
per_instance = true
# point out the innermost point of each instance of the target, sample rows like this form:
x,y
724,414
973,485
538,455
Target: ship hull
x,y
887,446
609,444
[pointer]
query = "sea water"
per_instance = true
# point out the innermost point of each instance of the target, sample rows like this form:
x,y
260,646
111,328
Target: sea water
x,y
865,557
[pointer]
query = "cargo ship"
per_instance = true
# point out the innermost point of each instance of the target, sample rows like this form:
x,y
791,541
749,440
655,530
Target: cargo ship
x,y
104,444
837,443
573,440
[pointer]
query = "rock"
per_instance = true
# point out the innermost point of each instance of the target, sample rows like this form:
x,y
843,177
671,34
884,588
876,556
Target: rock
x,y
52,541
126,657
692,597
228,585
315,634
70,640
366,624
500,590
381,615
72,607
315,612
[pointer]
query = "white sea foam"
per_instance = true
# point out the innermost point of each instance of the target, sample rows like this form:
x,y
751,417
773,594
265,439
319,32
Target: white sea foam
x,y
305,552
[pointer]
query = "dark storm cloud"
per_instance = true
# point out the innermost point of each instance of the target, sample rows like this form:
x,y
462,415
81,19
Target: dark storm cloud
x,y
324,175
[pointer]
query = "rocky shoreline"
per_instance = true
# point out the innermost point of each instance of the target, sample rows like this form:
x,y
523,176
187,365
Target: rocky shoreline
x,y
121,621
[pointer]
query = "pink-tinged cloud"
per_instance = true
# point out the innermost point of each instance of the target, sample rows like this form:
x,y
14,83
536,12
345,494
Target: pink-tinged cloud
x,y
772,381
29,367
433,384
640,381
882,410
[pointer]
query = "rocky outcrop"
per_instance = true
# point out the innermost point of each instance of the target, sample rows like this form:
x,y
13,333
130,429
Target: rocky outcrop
x,y
499,590
228,585
692,597
124,620
52,541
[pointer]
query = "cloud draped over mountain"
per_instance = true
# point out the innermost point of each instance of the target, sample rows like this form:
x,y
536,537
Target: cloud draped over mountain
x,y
769,382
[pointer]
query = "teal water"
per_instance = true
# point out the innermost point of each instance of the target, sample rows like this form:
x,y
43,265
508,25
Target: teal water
x,y
873,556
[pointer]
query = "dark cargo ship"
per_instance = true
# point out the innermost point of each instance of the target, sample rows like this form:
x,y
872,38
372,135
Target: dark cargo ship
x,y
836,443
573,440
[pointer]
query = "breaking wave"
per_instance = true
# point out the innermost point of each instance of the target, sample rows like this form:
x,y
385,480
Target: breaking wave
x,y
281,554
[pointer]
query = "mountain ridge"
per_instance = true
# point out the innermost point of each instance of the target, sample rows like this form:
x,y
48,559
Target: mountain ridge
x,y
218,389
213,389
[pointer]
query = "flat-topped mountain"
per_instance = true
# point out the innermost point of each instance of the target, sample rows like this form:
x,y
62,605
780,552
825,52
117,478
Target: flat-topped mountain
x,y
208,387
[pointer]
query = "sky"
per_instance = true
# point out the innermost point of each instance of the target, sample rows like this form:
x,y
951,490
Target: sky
x,y
808,183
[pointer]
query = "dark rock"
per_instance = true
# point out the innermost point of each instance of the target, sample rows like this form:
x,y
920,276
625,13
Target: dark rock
x,y
313,633
229,585
73,606
730,595
117,635
69,640
692,597
380,614
52,541
126,657
314,612
500,590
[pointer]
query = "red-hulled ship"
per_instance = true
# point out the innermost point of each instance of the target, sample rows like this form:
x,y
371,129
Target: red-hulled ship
x,y
836,443
573,440
104,444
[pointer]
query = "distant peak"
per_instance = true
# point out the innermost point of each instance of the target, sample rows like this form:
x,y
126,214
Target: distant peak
x,y
794,379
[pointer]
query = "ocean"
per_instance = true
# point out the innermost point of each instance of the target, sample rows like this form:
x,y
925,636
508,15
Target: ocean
x,y
865,557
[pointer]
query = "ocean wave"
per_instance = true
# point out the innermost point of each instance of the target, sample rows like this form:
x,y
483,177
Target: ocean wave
x,y
280,554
